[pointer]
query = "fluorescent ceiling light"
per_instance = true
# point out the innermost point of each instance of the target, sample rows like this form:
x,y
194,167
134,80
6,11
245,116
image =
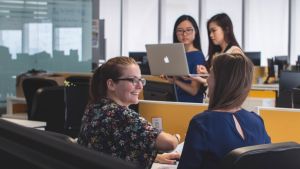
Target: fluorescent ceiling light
x,y
13,2
36,3
4,11
40,13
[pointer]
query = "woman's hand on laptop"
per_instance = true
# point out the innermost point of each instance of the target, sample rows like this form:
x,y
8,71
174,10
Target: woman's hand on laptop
x,y
170,79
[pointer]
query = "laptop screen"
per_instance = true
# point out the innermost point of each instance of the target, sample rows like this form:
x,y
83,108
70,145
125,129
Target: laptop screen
x,y
167,59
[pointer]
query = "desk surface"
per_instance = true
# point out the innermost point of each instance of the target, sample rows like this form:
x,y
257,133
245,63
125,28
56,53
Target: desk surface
x,y
27,123
265,87
163,166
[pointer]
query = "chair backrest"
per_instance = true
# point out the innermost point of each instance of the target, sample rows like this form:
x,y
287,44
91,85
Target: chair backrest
x,y
48,105
37,149
78,79
296,98
30,86
266,156
76,99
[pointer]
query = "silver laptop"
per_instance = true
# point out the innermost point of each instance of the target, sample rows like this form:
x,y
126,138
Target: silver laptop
x,y
168,59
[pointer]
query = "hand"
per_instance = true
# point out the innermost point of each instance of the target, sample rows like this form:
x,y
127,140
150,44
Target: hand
x,y
167,158
170,79
201,69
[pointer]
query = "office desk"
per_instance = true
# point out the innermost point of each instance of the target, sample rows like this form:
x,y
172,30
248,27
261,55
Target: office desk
x,y
27,123
282,124
264,91
172,117
274,87
11,100
163,166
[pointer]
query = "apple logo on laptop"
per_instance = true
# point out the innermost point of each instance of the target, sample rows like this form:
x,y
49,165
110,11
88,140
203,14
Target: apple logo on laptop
x,y
166,59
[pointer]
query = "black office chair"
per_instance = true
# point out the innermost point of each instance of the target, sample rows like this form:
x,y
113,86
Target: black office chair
x,y
76,99
30,86
266,156
296,97
48,105
78,79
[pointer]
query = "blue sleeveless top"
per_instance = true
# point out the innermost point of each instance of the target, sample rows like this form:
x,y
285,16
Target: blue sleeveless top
x,y
194,58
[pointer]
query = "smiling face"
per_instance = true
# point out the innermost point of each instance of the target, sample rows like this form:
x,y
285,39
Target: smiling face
x,y
125,92
185,32
216,34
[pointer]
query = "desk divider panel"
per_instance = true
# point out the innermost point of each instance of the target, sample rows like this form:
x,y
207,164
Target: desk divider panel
x,y
262,93
175,116
282,124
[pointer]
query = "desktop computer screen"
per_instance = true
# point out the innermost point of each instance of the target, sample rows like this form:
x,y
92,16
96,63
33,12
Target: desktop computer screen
x,y
287,81
160,91
142,61
271,70
254,57
282,62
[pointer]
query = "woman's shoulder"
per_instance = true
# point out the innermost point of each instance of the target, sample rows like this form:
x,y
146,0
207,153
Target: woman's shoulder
x,y
196,56
235,49
194,52
206,115
250,115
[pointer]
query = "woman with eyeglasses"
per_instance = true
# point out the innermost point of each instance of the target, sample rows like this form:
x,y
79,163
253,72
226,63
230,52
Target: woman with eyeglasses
x,y
186,31
111,127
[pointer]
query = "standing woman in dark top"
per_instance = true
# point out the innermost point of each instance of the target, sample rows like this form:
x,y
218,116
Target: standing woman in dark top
x,y
111,127
225,125
221,40
186,31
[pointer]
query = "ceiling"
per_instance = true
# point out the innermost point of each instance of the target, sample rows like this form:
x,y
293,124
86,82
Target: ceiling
x,y
15,13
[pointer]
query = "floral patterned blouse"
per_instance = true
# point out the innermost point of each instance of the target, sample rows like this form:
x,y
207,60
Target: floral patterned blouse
x,y
118,131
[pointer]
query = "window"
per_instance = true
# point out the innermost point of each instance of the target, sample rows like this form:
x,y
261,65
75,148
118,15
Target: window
x,y
12,39
266,28
39,38
50,35
110,11
233,8
67,39
295,33
140,24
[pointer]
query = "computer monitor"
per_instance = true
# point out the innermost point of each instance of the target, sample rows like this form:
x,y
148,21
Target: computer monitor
x,y
296,67
28,148
254,57
282,62
160,91
142,61
271,71
287,82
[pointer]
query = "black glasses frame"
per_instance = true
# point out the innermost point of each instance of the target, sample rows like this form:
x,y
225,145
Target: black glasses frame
x,y
134,80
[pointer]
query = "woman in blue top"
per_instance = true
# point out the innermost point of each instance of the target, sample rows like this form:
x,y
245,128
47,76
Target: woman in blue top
x,y
225,125
186,31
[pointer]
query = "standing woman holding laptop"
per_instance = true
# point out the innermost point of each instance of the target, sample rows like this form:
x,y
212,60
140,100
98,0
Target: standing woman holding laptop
x,y
186,31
